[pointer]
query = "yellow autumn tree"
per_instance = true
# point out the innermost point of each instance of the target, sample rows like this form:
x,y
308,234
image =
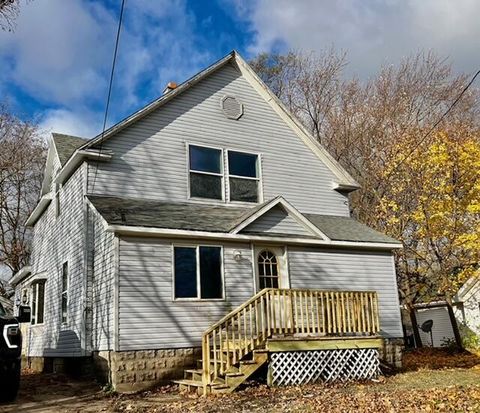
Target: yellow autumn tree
x,y
433,206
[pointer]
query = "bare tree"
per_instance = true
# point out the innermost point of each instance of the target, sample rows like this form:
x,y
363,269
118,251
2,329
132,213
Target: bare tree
x,y
22,156
370,126
9,11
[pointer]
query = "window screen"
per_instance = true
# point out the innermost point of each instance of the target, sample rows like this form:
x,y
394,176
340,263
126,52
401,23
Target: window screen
x,y
205,172
244,176
205,186
198,272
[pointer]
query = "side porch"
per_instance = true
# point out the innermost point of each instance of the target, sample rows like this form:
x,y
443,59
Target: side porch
x,y
304,335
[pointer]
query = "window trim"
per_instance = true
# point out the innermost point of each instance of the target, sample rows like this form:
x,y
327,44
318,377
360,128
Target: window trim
x,y
258,179
221,174
197,268
64,292
36,283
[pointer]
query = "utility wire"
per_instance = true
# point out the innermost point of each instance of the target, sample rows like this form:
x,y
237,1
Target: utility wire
x,y
117,41
436,123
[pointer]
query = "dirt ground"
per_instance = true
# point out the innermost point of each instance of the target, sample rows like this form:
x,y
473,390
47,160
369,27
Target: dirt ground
x,y
432,381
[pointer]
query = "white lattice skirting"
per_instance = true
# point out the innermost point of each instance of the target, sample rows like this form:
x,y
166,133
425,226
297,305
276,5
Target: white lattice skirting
x,y
301,367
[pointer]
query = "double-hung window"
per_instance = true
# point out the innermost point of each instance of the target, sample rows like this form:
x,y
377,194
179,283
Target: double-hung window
x,y
206,172
38,301
64,293
244,177
198,272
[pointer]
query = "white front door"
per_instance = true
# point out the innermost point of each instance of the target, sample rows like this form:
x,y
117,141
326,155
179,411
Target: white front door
x,y
271,269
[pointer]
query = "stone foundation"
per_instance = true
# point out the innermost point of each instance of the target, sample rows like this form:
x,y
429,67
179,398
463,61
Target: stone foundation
x,y
132,371
392,352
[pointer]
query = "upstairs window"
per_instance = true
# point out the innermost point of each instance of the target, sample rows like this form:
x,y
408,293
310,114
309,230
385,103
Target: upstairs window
x,y
198,272
244,177
38,302
64,294
206,172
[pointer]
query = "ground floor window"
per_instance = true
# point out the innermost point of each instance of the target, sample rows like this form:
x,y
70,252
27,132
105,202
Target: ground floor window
x,y
198,272
38,302
267,270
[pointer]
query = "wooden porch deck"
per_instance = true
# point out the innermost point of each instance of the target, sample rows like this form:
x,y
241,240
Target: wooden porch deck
x,y
283,320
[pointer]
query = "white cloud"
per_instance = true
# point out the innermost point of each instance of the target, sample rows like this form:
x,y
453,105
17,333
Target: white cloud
x,y
79,123
61,52
371,31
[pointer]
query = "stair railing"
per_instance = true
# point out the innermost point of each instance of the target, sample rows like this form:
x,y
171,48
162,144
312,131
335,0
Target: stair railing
x,y
285,312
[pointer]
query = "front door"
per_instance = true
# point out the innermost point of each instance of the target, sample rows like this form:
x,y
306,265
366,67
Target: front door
x,y
271,267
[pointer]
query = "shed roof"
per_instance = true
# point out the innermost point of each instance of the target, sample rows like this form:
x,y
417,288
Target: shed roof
x,y
198,217
66,145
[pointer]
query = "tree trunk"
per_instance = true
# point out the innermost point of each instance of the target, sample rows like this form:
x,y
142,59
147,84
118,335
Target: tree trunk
x,y
416,333
456,331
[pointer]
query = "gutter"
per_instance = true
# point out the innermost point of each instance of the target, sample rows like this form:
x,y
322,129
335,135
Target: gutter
x,y
39,209
20,275
178,233
76,159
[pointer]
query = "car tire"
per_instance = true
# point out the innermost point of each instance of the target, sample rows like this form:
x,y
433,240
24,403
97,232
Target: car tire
x,y
10,383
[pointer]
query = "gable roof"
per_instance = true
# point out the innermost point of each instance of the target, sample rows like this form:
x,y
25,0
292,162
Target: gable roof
x,y
289,208
344,182
66,145
220,219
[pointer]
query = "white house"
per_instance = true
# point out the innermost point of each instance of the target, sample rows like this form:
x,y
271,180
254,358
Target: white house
x,y
208,221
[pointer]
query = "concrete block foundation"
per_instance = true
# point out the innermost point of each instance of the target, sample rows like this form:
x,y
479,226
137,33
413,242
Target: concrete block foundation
x,y
132,371
392,352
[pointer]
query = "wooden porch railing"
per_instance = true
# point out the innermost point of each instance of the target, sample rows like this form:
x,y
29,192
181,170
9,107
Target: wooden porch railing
x,y
285,311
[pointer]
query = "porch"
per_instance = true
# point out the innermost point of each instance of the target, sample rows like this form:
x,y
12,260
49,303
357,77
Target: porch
x,y
305,335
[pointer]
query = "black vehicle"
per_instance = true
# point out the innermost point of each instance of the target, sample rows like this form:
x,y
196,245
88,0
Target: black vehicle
x,y
10,354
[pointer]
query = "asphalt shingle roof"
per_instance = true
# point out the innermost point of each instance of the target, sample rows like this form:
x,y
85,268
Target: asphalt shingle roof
x,y
66,145
157,214
198,217
347,229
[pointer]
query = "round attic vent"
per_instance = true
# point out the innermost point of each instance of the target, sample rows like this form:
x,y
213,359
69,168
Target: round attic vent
x,y
231,106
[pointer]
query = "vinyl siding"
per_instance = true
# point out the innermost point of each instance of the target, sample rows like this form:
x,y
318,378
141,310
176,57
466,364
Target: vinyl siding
x,y
150,158
441,329
469,312
148,316
55,241
350,270
276,221
101,274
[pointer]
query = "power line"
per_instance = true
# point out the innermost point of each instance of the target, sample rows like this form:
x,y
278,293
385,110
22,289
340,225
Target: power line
x,y
436,123
117,41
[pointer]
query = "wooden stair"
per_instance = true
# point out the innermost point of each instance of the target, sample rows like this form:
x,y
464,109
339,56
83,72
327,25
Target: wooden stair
x,y
227,382
235,347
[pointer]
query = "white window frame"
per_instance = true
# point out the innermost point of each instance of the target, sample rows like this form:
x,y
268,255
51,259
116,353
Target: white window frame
x,y
225,175
258,178
221,174
197,267
64,292
32,301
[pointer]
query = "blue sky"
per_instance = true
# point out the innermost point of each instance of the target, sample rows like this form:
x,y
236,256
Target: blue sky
x,y
55,65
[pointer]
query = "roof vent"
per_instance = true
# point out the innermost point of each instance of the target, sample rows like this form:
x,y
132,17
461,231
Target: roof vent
x,y
170,86
231,106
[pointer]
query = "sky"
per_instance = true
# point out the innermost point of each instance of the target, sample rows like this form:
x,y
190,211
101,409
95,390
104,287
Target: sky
x,y
55,66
